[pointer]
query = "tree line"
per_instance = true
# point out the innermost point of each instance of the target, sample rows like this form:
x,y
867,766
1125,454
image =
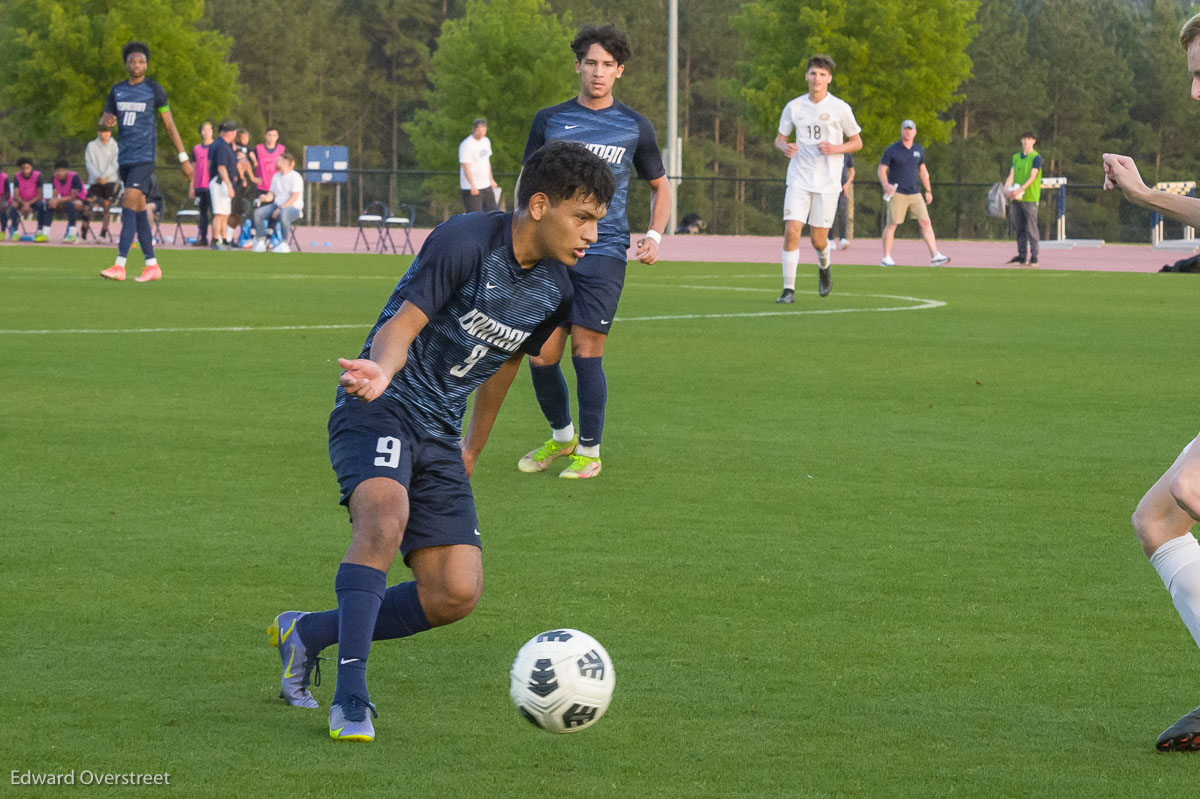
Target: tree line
x,y
399,83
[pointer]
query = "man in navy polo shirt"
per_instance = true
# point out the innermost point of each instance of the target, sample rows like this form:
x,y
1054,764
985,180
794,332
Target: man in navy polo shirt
x,y
486,289
902,172
131,106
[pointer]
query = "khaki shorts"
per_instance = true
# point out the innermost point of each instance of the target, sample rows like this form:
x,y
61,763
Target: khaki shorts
x,y
911,204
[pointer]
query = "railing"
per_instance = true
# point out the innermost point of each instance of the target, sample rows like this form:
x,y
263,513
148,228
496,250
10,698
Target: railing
x,y
729,205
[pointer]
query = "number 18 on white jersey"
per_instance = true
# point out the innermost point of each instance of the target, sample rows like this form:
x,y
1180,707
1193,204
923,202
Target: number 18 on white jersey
x,y
830,120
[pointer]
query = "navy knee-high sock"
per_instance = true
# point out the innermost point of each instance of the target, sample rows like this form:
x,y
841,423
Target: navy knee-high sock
x,y
550,387
145,234
593,395
360,592
400,616
72,214
128,231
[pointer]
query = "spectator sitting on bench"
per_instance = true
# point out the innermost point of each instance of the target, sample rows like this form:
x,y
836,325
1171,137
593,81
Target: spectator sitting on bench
x,y
27,199
68,198
283,203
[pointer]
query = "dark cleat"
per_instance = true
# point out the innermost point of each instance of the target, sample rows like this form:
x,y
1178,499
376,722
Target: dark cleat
x,y
787,297
1016,260
825,282
1182,736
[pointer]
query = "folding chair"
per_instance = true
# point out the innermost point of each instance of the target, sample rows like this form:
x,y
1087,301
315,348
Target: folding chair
x,y
404,223
294,242
191,215
374,214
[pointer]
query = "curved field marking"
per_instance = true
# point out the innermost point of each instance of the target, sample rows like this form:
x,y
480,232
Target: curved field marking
x,y
921,304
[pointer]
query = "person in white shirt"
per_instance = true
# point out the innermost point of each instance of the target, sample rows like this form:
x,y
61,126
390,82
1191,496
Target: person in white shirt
x,y
477,186
100,156
283,204
825,129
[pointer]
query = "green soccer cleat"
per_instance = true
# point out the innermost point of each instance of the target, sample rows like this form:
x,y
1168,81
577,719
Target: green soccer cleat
x,y
41,237
581,468
349,721
537,460
14,236
70,239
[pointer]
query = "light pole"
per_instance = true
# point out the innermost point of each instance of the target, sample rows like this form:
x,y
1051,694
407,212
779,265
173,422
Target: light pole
x,y
674,144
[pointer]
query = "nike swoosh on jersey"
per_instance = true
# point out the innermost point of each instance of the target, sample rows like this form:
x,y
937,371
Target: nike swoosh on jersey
x,y
490,285
570,127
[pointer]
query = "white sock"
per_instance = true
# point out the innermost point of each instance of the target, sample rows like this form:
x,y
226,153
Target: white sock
x,y
46,231
1178,564
791,260
70,230
565,434
151,262
589,452
823,256
120,261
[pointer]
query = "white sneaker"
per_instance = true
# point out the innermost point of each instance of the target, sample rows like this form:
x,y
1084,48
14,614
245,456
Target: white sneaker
x,y
282,247
260,245
887,261
843,244
939,260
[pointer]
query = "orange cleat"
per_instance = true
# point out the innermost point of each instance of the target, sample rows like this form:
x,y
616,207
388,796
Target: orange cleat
x,y
114,273
148,274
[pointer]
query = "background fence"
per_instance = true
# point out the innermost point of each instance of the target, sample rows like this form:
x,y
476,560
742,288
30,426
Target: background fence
x,y
729,205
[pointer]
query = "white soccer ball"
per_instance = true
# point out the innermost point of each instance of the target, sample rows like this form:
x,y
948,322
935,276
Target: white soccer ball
x,y
562,680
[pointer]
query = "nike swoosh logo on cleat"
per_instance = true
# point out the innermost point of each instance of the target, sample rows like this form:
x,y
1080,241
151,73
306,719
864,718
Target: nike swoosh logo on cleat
x,y
284,637
344,661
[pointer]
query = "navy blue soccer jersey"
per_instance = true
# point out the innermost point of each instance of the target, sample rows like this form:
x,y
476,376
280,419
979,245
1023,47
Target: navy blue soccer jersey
x,y
483,309
136,108
618,134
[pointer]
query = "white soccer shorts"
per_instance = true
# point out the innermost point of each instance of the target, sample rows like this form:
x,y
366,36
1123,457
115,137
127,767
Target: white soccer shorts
x,y
817,209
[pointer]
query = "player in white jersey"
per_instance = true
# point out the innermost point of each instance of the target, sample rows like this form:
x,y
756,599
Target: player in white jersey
x,y
1170,509
825,129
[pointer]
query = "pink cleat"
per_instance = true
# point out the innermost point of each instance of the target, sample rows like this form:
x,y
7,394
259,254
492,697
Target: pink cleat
x,y
114,273
148,274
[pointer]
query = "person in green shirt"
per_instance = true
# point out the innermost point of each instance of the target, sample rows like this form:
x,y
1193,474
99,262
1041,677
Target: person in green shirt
x,y
1025,189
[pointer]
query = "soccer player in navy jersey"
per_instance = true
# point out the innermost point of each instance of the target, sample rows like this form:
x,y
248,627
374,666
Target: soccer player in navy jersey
x,y
1170,509
131,106
485,289
625,139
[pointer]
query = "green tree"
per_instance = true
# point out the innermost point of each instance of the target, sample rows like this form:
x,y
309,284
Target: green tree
x,y
503,60
60,58
895,60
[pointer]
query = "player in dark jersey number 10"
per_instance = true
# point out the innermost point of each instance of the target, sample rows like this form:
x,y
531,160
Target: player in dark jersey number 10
x,y
131,106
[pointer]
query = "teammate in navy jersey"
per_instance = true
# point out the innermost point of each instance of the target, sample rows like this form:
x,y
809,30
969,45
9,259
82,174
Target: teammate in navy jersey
x,y
486,288
625,139
131,105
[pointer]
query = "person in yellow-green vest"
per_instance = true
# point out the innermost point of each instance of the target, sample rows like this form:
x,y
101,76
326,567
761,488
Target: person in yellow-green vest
x,y
1025,189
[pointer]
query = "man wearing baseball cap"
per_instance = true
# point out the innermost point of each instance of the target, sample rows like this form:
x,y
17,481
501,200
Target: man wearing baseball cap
x,y
902,173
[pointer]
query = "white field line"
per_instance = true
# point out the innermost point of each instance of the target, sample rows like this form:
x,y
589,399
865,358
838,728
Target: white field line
x,y
919,304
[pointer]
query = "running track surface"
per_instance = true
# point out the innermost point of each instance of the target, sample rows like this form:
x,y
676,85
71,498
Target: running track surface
x,y
766,250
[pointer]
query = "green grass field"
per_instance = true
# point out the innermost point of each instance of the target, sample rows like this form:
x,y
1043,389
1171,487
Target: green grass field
x,y
837,550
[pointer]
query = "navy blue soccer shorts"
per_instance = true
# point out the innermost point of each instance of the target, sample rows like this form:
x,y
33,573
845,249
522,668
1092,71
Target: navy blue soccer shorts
x,y
597,280
136,176
378,439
